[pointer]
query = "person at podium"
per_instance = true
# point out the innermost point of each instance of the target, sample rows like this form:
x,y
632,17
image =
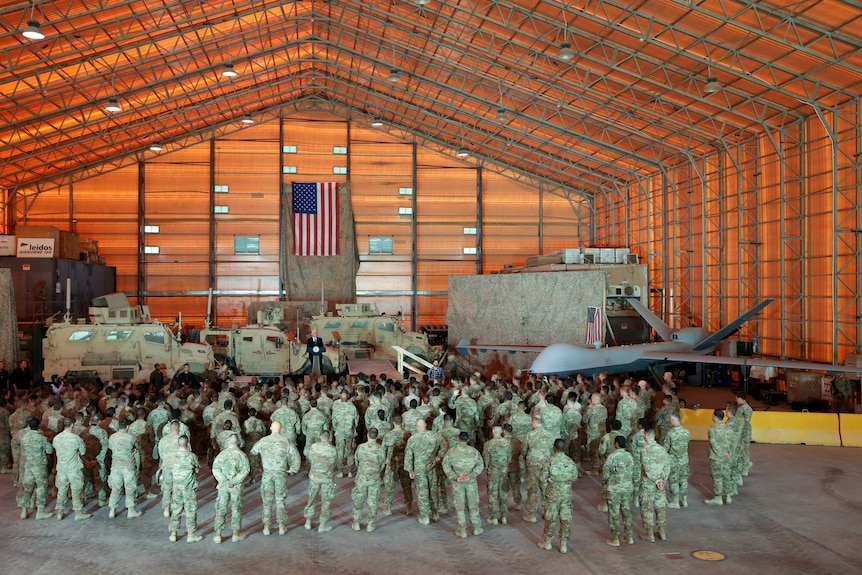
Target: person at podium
x,y
315,350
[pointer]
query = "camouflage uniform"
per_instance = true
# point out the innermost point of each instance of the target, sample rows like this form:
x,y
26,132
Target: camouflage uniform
x,y
498,457
627,410
594,419
420,459
278,457
96,444
345,418
557,475
70,476
744,412
321,481
676,443
314,423
370,461
720,450
606,447
733,471
449,437
635,445
619,473
167,453
466,415
513,474
571,428
662,419
538,447
145,439
464,460
290,424
394,443
5,441
184,498
157,418
124,469
552,420
253,430
655,465
230,469
33,470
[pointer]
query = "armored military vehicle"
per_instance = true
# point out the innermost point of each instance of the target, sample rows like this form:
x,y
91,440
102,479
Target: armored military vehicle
x,y
120,341
366,334
264,349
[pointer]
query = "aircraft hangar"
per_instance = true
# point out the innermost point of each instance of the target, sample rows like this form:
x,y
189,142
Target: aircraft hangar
x,y
718,141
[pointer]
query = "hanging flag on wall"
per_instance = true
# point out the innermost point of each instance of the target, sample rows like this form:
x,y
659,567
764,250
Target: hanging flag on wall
x,y
595,325
315,218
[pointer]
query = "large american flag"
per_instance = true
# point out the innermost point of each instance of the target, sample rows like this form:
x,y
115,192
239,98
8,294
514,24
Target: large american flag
x,y
595,325
315,218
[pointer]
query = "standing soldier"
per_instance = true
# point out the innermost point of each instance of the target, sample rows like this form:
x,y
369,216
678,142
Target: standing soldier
x,y
498,456
321,480
627,410
95,474
733,471
745,412
662,418
5,432
33,469
513,474
184,497
720,453
557,476
289,420
466,413
145,438
571,426
314,423
420,459
538,448
606,447
619,472
168,447
279,458
370,461
462,465
125,461
395,442
676,444
594,420
345,418
70,475
655,468
230,469
253,430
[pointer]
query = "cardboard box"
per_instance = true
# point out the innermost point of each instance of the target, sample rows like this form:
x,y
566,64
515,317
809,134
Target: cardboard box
x,y
66,244
7,245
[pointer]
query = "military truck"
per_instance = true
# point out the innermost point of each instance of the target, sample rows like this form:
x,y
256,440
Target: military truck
x,y
264,349
364,333
120,341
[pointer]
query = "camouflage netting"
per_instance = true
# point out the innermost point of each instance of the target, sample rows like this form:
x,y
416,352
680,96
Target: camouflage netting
x,y
9,343
303,276
519,309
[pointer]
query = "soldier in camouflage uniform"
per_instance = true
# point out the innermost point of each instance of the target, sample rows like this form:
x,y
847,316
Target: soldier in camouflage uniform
x,y
745,412
96,444
557,476
662,418
314,423
571,426
70,476
289,420
466,413
184,499
279,458
538,448
676,443
253,430
462,464
145,439
720,455
395,442
733,472
5,438
420,459
370,462
606,447
230,469
449,435
513,474
497,453
627,410
321,480
125,462
33,469
594,420
345,418
655,468
618,474
167,449
635,445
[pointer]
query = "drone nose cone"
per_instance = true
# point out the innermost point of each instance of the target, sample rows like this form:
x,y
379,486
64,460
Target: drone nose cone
x,y
558,358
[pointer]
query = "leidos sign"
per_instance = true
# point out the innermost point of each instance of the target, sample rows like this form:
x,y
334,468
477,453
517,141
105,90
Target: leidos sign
x,y
35,247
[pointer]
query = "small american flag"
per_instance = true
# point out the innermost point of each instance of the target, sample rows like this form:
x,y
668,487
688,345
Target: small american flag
x,y
595,325
315,219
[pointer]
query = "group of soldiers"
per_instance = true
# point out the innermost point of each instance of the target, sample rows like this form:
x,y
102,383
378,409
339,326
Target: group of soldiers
x,y
432,439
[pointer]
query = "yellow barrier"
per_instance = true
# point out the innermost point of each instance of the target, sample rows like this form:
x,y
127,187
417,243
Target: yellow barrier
x,y
697,421
795,428
851,429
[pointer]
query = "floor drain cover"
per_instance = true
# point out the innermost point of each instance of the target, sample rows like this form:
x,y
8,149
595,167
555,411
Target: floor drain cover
x,y
708,555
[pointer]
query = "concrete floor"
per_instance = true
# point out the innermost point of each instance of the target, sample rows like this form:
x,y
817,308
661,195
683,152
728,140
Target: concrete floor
x,y
799,512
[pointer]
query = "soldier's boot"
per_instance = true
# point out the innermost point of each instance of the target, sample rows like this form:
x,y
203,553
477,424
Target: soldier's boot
x,y
613,541
237,537
492,521
166,513
132,513
629,539
564,547
674,502
504,520
424,520
42,514
308,524
282,529
544,544
387,509
193,538
173,537
728,499
637,502
478,530
648,535
217,536
661,533
715,501
531,518
356,526
461,532
603,507
323,527
435,517
59,514
266,530
23,513
112,513
80,515
370,528
685,501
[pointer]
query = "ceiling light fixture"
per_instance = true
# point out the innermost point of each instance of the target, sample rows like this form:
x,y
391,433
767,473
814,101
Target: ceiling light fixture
x,y
377,123
566,53
421,2
247,119
155,148
33,31
394,76
501,114
228,71
712,86
113,106
463,153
